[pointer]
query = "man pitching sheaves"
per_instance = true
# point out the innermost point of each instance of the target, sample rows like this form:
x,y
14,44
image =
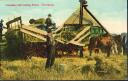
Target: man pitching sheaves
x,y
51,49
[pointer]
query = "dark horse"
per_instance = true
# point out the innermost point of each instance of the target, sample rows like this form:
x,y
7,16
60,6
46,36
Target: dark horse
x,y
125,44
104,43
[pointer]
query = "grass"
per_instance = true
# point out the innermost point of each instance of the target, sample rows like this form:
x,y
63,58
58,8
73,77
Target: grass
x,y
97,67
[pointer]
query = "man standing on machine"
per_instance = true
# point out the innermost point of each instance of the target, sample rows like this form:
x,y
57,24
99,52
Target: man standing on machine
x,y
49,23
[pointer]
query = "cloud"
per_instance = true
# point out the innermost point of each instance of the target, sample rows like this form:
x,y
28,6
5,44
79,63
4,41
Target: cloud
x,y
115,26
114,22
61,16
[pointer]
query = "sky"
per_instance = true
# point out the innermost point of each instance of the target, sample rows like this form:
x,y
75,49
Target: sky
x,y
111,13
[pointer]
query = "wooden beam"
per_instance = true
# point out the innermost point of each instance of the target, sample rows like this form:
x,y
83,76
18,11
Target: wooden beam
x,y
96,20
76,25
81,13
34,30
32,34
84,37
86,32
81,33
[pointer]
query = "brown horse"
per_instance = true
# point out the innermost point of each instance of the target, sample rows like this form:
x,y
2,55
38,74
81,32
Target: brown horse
x,y
104,43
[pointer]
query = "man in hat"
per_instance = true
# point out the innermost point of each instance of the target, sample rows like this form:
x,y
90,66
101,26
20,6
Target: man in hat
x,y
51,49
49,22
1,28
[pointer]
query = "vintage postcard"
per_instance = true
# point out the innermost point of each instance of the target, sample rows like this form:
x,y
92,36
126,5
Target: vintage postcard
x,y
63,40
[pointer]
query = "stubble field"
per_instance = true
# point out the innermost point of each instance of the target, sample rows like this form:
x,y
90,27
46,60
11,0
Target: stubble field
x,y
96,67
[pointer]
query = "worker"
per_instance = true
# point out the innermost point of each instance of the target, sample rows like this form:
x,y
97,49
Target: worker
x,y
49,23
51,49
1,28
81,51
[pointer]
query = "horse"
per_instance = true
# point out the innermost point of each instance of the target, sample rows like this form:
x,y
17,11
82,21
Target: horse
x,y
125,44
119,44
104,43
